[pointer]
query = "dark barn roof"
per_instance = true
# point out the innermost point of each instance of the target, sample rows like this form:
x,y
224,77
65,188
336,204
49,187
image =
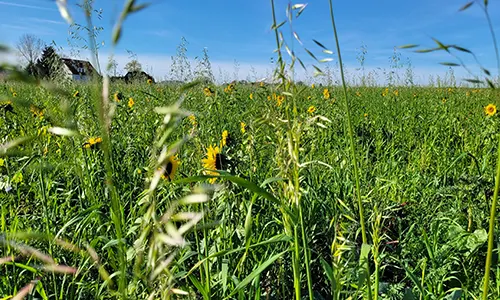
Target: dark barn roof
x,y
79,67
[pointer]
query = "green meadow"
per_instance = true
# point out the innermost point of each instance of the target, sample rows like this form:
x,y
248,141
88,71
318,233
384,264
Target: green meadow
x,y
247,190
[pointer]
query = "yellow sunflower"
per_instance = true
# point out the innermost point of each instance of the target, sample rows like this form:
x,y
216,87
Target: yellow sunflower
x,y
150,81
131,102
118,97
76,94
251,96
224,140
326,94
213,162
279,100
312,85
208,91
92,142
311,109
243,127
170,168
490,109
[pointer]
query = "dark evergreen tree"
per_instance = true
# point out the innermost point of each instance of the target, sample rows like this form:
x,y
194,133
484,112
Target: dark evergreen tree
x,y
49,65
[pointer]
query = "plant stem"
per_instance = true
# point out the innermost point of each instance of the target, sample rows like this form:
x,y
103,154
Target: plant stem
x,y
353,147
491,229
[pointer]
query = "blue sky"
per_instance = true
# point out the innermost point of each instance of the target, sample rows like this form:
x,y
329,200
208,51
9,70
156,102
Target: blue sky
x,y
240,31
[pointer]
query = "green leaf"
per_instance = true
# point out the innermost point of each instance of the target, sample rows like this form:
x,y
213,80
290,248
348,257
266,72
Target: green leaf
x,y
224,274
414,279
469,4
490,83
408,46
449,64
486,71
319,44
441,45
311,54
462,49
427,50
473,80
139,7
200,287
329,272
256,272
274,27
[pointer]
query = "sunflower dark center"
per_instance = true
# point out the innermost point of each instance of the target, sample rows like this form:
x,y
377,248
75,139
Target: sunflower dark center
x,y
168,168
218,161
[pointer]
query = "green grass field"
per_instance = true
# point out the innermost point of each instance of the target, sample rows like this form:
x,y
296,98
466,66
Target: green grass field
x,y
426,158
265,190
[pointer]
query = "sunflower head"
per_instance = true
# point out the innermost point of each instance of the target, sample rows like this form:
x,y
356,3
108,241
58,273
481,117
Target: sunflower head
x,y
118,97
212,162
311,109
490,109
170,168
326,94
150,81
76,94
131,102
208,92
251,96
279,100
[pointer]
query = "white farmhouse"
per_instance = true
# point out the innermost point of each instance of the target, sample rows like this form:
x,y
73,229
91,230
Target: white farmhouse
x,y
80,70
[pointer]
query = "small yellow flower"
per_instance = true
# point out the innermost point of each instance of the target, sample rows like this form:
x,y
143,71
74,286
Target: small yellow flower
x,y
251,96
279,100
131,102
269,98
92,142
261,84
326,94
14,94
243,127
490,109
385,92
150,81
309,97
313,86
225,135
396,93
467,94
311,109
2,162
443,100
192,119
358,94
76,94
139,171
365,115
18,177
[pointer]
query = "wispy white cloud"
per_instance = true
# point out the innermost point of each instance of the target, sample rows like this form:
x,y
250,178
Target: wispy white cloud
x,y
27,6
46,21
38,30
